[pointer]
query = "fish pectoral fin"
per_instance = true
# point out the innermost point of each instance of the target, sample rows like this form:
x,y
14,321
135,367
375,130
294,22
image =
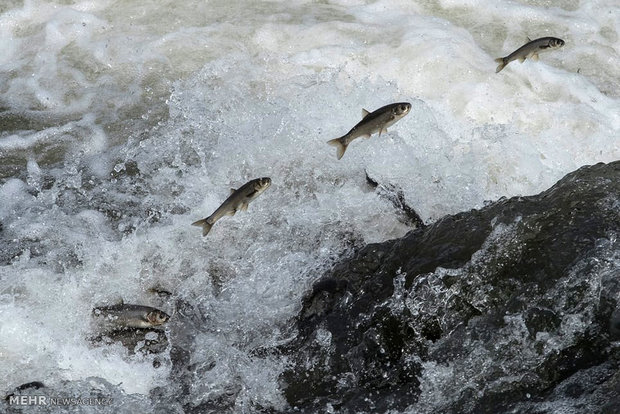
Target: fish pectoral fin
x,y
365,136
534,57
364,113
383,131
522,59
244,206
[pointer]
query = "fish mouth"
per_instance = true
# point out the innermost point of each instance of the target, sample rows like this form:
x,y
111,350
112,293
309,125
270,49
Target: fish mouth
x,y
265,182
403,108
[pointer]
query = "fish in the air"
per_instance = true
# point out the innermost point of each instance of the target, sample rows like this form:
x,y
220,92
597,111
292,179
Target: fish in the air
x,y
530,50
377,121
238,200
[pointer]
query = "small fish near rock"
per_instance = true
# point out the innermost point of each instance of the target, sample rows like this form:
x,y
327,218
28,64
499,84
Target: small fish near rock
x,y
127,316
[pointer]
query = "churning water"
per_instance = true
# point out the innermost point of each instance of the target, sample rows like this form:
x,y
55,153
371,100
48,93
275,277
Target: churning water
x,y
122,122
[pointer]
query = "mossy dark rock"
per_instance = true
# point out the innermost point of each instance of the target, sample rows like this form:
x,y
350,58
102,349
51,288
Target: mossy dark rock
x,y
491,309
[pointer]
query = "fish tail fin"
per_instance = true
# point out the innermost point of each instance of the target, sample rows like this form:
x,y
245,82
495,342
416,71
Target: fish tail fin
x,y
340,145
204,223
502,64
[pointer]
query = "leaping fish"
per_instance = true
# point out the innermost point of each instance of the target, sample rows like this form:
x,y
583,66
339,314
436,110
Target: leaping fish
x,y
530,50
372,122
238,200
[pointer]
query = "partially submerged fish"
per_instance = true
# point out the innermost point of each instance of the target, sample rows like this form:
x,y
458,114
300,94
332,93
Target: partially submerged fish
x,y
377,121
238,200
34,385
530,50
131,316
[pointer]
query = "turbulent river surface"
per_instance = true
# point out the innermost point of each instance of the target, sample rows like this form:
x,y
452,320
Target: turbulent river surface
x,y
421,273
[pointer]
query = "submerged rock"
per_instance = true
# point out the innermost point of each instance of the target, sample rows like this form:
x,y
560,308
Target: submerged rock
x,y
512,306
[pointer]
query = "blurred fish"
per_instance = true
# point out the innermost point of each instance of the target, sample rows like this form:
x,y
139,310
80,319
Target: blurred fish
x,y
530,50
372,122
35,385
238,200
131,316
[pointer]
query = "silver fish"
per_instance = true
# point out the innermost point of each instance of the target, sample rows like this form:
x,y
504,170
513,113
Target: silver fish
x,y
238,200
372,122
131,316
530,50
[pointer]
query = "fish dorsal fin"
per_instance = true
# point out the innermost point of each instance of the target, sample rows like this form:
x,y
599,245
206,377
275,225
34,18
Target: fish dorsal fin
x,y
364,113
528,39
232,190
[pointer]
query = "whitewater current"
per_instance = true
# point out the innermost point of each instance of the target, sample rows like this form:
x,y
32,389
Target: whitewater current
x,y
122,122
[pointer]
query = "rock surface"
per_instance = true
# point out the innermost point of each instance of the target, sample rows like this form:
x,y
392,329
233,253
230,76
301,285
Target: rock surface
x,y
511,307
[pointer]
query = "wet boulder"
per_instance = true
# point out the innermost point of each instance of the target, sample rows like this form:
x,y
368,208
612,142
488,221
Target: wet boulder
x,y
506,307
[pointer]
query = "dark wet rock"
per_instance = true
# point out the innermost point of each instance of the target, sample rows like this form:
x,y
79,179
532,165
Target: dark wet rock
x,y
574,390
614,325
498,309
223,402
539,319
136,340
